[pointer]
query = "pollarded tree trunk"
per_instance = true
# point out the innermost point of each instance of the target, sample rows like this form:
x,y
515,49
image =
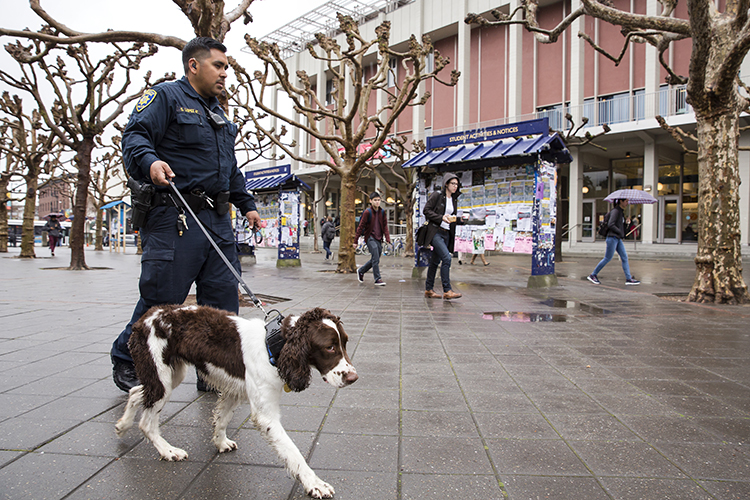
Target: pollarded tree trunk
x,y
77,236
718,276
29,209
99,223
347,262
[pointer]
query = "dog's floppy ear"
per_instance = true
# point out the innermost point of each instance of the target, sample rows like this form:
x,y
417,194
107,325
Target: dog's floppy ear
x,y
293,366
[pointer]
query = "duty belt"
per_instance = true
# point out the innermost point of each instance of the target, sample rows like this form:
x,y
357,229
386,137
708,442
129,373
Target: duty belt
x,y
197,200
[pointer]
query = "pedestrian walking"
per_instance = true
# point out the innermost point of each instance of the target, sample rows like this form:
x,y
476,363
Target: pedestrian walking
x,y
328,234
440,211
477,247
54,233
615,234
373,226
180,132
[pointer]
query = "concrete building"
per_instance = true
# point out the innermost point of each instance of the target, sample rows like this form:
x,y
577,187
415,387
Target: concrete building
x,y
508,76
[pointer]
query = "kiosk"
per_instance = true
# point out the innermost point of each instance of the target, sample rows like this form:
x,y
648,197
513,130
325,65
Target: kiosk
x,y
277,197
508,198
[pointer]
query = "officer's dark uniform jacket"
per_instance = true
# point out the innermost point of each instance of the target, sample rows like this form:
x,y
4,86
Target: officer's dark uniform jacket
x,y
170,124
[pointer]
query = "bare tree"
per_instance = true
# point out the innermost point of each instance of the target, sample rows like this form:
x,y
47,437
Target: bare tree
x,y
720,42
85,101
6,175
342,127
398,154
35,150
108,180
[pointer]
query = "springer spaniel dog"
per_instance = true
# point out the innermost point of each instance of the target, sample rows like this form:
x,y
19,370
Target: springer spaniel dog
x,y
231,355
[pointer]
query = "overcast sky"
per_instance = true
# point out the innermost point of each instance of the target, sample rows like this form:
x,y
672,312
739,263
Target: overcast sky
x,y
157,16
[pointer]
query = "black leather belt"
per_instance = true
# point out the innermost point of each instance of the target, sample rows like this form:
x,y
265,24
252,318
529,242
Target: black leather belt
x,y
196,201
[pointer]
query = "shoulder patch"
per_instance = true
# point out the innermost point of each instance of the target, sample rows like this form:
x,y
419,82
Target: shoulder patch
x,y
146,99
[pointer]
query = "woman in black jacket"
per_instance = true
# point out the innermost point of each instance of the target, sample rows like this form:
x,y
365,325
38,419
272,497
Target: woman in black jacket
x,y
615,234
440,211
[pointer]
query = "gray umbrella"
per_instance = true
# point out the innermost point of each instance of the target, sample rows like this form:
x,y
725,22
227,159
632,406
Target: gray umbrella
x,y
634,196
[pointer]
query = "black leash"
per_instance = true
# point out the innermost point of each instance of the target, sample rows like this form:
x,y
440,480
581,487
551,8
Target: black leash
x,y
274,340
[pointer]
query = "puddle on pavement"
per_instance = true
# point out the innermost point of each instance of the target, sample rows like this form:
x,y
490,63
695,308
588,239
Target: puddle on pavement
x,y
575,305
531,317
524,317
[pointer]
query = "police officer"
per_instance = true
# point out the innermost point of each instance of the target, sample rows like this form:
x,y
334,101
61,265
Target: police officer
x,y
179,132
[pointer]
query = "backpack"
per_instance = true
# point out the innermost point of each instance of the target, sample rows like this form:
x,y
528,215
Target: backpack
x,y
604,226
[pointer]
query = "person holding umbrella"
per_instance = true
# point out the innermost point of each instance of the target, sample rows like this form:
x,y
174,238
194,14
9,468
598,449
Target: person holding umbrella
x,y
615,234
54,232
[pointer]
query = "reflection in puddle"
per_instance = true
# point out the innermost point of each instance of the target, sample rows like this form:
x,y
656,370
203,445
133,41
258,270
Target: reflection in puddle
x,y
524,317
530,317
572,304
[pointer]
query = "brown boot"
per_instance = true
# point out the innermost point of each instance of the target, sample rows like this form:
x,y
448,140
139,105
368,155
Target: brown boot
x,y
431,294
450,294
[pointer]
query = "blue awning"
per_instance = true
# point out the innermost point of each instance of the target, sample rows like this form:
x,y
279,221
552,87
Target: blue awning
x,y
113,204
549,147
274,181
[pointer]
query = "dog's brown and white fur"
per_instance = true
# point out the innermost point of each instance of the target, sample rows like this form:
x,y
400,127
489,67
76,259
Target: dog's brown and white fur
x,y
230,354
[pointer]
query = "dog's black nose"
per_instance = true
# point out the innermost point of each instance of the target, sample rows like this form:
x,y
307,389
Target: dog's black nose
x,y
350,378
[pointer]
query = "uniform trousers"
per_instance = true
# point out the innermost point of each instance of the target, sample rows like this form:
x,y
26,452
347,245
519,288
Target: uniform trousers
x,y
171,263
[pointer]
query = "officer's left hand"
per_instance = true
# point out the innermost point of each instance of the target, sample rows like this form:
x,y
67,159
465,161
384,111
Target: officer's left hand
x,y
253,218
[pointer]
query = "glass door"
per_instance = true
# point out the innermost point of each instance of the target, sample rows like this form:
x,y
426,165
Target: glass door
x,y
669,219
588,225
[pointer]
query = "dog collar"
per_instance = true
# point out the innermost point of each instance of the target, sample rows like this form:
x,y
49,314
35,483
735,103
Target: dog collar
x,y
274,340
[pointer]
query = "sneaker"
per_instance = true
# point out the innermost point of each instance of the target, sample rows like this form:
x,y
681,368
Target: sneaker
x,y
360,276
379,282
123,373
592,278
632,281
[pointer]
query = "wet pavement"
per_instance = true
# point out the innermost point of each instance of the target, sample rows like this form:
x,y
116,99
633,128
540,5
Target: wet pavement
x,y
574,392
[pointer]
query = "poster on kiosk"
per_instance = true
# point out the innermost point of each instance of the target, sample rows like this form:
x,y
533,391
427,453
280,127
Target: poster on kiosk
x,y
508,178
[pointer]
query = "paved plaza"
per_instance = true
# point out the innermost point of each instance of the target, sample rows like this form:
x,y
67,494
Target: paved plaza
x,y
575,392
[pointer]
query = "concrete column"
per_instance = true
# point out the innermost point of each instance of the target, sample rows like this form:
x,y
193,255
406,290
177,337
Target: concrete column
x,y
744,159
652,70
273,103
321,91
463,64
575,197
577,67
650,178
295,131
418,112
515,67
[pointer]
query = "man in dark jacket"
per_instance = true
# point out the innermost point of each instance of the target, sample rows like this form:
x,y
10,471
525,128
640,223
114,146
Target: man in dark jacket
x,y
328,234
373,225
615,234
179,132
440,211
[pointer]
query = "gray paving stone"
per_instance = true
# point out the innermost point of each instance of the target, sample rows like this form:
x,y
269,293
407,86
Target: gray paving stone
x,y
580,488
440,486
651,400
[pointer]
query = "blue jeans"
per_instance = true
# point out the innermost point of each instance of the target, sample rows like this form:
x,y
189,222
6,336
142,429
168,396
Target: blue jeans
x,y
376,248
614,244
327,248
440,254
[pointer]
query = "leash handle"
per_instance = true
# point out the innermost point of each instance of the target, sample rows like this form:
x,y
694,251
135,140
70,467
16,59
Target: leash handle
x,y
239,279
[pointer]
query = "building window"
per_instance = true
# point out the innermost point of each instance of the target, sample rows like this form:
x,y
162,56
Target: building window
x,y
392,71
329,92
556,115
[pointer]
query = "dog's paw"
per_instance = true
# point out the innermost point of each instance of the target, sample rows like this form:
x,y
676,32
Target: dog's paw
x,y
173,454
121,428
226,445
319,489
